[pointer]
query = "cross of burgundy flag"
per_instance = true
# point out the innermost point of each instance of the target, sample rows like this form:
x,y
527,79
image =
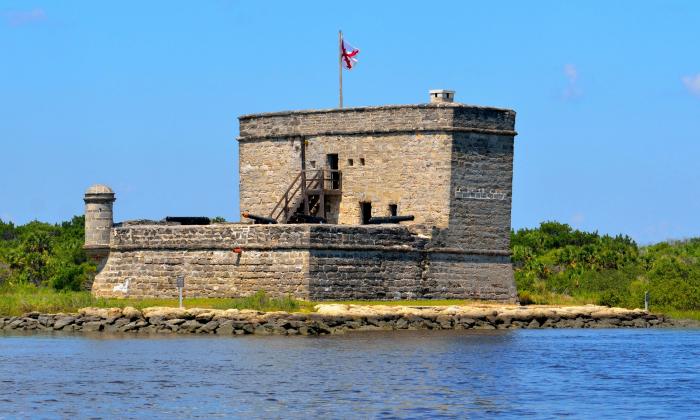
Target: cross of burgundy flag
x,y
348,54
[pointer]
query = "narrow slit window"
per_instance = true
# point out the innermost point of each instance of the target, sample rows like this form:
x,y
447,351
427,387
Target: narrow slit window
x,y
393,210
362,161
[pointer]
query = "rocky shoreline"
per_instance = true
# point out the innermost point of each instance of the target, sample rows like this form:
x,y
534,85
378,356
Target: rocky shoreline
x,y
337,319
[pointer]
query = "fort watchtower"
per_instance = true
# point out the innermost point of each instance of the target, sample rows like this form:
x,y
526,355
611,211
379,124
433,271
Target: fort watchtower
x,y
450,165
99,200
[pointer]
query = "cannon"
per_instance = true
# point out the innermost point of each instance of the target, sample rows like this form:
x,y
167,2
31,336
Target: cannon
x,y
306,218
188,220
259,220
389,219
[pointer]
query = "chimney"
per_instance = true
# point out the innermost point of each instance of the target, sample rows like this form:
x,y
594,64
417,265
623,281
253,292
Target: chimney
x,y
441,95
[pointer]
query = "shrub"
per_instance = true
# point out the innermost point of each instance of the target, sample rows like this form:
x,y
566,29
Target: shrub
x,y
610,270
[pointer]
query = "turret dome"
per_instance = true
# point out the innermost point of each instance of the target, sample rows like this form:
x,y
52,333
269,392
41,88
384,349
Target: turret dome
x,y
99,189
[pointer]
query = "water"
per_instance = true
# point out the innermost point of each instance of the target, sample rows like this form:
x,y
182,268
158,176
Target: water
x,y
543,373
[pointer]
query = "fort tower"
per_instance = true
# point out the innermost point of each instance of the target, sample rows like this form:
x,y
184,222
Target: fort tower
x,y
99,200
449,165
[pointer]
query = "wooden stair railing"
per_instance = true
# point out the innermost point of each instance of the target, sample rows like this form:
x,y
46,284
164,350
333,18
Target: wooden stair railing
x,y
306,194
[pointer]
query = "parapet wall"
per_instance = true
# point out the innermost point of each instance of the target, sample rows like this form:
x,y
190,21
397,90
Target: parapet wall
x,y
317,262
378,119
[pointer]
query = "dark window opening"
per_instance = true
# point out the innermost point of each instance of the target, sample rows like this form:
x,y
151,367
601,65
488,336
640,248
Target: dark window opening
x,y
332,162
393,210
312,163
362,161
350,162
365,212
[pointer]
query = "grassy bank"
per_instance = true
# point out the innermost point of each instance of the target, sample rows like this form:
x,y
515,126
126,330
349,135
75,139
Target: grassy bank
x,y
20,300
549,298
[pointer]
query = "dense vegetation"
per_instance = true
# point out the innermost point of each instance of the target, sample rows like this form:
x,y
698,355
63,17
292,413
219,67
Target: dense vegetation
x,y
43,266
556,262
42,254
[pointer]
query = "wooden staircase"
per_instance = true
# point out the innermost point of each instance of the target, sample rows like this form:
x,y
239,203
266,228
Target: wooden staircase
x,y
305,199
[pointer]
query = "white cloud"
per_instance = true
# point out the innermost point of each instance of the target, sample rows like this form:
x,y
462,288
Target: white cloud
x,y
18,18
692,83
572,90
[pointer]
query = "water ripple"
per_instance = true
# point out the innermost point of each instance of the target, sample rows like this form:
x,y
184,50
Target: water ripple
x,y
542,373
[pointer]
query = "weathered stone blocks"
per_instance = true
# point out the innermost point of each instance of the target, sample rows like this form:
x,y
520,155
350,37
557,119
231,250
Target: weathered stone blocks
x,y
307,261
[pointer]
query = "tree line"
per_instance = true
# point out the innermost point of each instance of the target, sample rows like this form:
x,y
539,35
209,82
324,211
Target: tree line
x,y
45,255
609,270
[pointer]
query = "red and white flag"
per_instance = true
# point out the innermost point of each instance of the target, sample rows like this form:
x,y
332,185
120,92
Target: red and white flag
x,y
348,54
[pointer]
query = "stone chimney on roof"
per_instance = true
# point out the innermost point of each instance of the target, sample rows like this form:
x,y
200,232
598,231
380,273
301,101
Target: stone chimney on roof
x,y
441,96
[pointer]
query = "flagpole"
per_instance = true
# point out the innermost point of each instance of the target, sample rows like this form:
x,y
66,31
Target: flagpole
x,y
340,66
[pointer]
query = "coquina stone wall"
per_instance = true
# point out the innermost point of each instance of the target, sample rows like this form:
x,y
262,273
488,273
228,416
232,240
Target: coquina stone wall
x,y
456,275
447,164
410,170
411,156
481,192
317,262
267,167
151,257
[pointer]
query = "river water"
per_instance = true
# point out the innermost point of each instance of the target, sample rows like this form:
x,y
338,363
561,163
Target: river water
x,y
621,373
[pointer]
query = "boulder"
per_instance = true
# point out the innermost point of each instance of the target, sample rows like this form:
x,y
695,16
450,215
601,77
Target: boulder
x,y
261,330
401,324
100,313
189,326
225,327
63,321
133,326
131,313
163,313
93,326
209,327
174,322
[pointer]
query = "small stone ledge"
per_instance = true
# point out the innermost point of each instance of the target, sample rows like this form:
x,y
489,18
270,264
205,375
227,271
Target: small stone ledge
x,y
337,319
378,132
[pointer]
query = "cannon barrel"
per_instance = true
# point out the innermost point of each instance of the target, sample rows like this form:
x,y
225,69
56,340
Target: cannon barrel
x,y
260,220
306,218
389,219
188,220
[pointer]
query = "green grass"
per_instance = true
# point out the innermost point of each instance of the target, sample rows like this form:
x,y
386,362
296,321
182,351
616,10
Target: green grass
x,y
677,314
416,302
549,298
23,299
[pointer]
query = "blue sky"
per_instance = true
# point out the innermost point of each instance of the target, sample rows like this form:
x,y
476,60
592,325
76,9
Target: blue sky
x,y
144,96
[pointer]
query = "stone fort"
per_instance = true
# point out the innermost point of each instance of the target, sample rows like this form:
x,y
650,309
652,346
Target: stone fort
x,y
385,202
